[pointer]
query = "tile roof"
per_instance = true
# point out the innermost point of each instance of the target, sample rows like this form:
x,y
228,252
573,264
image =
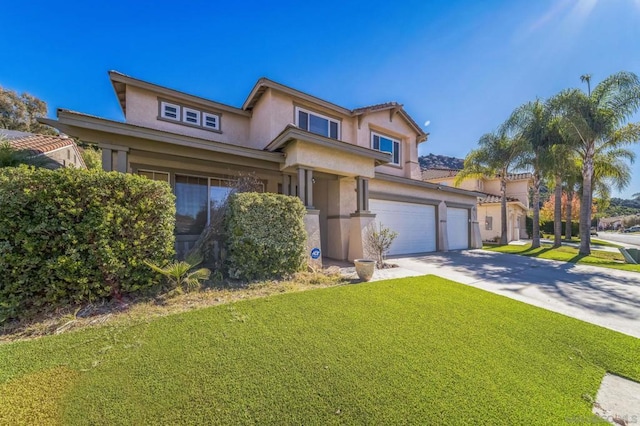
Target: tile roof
x,y
438,173
40,144
493,198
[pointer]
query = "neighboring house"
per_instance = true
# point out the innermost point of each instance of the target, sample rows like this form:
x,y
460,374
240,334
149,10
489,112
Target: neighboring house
x,y
349,167
60,149
489,203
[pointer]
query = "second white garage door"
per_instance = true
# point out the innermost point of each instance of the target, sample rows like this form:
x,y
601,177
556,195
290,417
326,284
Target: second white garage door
x,y
458,228
414,223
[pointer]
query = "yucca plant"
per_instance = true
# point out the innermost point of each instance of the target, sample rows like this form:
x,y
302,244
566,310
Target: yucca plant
x,y
181,275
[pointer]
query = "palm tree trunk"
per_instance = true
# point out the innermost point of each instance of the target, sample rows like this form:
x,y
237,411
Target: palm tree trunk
x,y
568,228
536,211
503,208
557,213
585,205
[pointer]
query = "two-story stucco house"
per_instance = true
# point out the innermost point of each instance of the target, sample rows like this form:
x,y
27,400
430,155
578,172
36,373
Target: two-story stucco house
x,y
349,166
489,203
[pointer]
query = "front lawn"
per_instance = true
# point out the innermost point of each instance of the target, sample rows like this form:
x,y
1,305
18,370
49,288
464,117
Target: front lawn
x,y
605,259
419,350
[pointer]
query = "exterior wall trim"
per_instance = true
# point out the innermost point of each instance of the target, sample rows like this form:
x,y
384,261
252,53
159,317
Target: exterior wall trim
x,y
427,185
458,205
69,119
403,198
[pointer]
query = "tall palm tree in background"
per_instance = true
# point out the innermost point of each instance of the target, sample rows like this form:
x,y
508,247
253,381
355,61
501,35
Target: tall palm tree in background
x,y
598,122
561,165
496,155
571,180
533,124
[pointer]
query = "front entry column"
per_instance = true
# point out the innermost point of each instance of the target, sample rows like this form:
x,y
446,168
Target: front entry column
x,y
476,237
305,187
362,190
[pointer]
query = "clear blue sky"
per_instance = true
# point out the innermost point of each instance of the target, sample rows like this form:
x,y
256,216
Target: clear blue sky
x,y
462,65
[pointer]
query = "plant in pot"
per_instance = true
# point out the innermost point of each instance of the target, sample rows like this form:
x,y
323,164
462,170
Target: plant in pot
x,y
377,244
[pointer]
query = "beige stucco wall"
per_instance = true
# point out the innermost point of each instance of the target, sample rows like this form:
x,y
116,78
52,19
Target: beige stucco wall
x,y
515,220
142,109
397,128
399,189
471,184
519,189
324,159
66,157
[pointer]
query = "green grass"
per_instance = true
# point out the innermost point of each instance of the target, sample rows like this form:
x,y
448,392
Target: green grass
x,y
420,350
605,259
595,241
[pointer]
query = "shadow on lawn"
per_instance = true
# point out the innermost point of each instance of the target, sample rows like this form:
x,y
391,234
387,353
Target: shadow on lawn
x,y
605,291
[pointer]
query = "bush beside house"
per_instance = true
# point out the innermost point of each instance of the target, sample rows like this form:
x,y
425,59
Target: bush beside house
x,y
70,236
265,235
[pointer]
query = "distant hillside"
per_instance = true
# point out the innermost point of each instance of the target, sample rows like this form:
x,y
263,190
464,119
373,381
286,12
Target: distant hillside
x,y
621,207
433,161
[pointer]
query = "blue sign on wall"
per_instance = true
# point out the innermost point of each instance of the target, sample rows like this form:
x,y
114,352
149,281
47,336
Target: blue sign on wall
x,y
315,253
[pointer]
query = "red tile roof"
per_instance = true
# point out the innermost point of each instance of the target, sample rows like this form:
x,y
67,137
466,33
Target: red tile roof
x,y
493,198
40,144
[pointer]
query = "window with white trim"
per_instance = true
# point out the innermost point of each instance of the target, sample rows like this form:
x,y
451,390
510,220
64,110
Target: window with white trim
x,y
191,116
211,121
317,123
386,144
170,111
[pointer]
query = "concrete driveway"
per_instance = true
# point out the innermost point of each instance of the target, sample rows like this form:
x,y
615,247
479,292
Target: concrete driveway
x,y
606,297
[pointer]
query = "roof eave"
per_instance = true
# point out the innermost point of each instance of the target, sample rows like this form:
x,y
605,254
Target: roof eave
x,y
291,133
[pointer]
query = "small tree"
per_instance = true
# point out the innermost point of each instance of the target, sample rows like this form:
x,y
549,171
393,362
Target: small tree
x,y
92,157
378,242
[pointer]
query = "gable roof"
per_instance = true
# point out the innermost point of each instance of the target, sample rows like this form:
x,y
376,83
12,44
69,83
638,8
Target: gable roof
x,y
120,81
264,83
40,144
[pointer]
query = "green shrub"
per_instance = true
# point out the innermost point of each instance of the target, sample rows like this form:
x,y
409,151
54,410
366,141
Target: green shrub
x,y
70,236
547,227
265,235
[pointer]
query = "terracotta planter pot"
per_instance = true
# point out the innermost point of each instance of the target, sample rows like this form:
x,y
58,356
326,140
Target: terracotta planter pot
x,y
365,268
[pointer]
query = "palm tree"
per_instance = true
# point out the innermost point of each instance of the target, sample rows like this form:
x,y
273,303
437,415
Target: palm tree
x,y
11,157
572,177
496,155
598,122
587,78
533,124
561,163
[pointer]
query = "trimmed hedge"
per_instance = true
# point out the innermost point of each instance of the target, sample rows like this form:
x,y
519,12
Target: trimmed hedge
x,y
547,227
70,236
265,235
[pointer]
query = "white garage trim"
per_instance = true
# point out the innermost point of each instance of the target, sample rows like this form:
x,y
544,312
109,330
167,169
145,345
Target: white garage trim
x,y
458,228
415,224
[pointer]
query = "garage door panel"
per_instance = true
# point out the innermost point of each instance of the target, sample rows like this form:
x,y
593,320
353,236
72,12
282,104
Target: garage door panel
x,y
458,228
414,223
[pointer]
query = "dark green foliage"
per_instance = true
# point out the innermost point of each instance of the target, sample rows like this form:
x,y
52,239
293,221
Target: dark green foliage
x,y
547,227
265,235
70,235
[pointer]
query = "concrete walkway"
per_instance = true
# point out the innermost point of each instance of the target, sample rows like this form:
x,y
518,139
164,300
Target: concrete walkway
x,y
606,297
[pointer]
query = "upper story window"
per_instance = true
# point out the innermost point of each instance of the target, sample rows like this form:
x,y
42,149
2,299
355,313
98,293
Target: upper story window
x,y
317,123
211,121
387,144
189,116
170,111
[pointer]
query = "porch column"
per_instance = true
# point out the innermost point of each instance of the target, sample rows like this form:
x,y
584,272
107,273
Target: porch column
x,y
305,187
362,189
476,238
114,157
286,185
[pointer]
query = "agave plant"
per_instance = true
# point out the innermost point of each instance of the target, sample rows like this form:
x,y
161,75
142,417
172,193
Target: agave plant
x,y
181,274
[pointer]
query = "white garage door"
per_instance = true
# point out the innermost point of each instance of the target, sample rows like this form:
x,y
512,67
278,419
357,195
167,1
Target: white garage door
x,y
414,223
458,228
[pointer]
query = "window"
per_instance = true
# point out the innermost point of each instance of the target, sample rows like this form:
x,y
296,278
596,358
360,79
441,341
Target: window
x,y
170,111
488,223
153,175
197,201
211,121
318,124
387,144
191,116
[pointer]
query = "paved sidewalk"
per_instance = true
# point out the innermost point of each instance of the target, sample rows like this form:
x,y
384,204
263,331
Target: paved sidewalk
x,y
606,297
